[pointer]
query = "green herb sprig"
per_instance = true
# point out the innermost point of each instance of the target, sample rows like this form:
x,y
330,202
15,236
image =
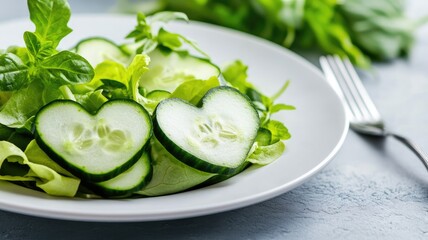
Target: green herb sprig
x,y
40,60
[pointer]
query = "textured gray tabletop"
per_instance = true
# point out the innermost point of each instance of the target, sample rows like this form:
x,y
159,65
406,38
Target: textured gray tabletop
x,y
371,190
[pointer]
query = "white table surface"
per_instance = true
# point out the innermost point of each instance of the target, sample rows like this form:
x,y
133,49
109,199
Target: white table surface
x,y
371,190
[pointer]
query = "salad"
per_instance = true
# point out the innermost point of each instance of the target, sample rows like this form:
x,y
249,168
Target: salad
x,y
150,116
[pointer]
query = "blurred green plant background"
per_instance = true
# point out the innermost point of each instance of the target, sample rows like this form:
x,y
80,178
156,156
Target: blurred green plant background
x,y
363,30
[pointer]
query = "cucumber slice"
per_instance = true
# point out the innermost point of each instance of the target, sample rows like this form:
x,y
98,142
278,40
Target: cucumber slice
x,y
168,69
133,179
214,138
93,147
99,49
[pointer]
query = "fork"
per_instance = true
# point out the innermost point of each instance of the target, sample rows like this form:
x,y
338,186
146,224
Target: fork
x,y
363,115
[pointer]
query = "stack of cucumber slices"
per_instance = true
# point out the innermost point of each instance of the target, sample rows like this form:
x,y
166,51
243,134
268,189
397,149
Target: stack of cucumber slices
x,y
150,117
109,150
106,150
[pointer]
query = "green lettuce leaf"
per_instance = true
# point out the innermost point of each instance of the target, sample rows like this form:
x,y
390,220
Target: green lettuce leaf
x,y
36,155
236,74
44,177
278,130
135,70
22,105
91,101
18,137
263,155
193,91
171,175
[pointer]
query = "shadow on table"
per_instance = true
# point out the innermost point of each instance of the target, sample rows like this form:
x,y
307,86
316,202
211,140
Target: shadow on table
x,y
397,155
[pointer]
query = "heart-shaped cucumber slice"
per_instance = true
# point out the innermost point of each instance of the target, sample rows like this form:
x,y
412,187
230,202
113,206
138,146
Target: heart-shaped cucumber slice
x,y
94,147
215,137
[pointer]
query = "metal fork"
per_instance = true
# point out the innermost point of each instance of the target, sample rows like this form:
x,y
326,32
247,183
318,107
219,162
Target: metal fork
x,y
363,114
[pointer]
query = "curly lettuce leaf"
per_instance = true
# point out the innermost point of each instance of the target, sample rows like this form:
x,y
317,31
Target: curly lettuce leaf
x,y
44,177
264,155
36,155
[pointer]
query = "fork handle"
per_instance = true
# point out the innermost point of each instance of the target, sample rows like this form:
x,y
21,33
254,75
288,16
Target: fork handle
x,y
415,149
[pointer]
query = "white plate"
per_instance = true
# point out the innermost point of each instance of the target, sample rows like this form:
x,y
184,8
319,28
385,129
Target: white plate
x,y
318,128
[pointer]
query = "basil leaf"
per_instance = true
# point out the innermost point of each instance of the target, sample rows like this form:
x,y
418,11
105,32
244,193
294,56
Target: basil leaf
x,y
13,72
50,18
36,47
65,68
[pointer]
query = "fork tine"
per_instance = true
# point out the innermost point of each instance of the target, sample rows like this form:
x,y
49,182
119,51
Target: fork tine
x,y
346,94
362,90
347,82
361,108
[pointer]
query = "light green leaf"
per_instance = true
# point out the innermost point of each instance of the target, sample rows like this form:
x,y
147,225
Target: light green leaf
x,y
171,175
281,106
150,33
22,105
36,155
193,91
147,46
38,49
13,72
45,178
168,39
135,70
236,74
113,89
91,101
151,100
278,131
51,19
264,137
21,52
110,70
263,155
166,16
